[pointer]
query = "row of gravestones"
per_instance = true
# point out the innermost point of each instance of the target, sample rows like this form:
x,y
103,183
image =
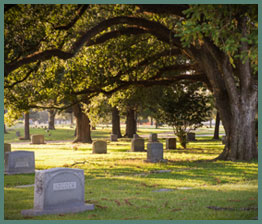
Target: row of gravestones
x,y
56,190
61,190
190,136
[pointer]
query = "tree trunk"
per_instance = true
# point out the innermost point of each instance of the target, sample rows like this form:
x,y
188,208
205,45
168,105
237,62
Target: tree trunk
x,y
83,132
27,128
156,125
240,136
71,119
51,119
130,123
116,129
216,132
236,105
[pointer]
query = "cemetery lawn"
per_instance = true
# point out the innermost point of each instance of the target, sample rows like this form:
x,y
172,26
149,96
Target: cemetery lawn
x,y
123,187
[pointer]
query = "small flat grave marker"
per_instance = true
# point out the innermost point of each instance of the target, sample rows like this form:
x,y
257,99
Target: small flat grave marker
x,y
163,190
18,162
59,191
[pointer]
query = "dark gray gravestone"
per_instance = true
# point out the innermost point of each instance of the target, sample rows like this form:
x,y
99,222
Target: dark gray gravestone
x,y
59,191
171,143
154,152
18,134
99,147
191,136
7,147
113,138
135,136
37,139
153,137
138,145
18,162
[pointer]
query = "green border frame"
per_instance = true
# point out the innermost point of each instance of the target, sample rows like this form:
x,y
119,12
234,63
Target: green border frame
x,y
129,2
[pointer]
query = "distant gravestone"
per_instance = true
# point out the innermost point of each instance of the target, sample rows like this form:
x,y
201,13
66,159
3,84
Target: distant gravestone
x,y
7,147
135,136
18,162
138,145
37,139
99,147
153,137
224,139
59,191
171,143
18,134
191,136
154,152
113,138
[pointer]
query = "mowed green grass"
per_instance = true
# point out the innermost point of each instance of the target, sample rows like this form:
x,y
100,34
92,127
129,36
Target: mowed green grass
x,y
124,187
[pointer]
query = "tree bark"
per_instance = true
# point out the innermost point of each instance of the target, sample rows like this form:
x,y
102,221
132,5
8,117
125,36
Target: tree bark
x,y
71,119
116,128
216,132
27,128
83,128
236,106
130,123
51,119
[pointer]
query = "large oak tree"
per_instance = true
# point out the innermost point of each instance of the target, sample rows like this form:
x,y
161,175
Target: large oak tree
x,y
219,42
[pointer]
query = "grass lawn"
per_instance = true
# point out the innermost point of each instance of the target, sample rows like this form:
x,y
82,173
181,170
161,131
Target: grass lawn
x,y
124,187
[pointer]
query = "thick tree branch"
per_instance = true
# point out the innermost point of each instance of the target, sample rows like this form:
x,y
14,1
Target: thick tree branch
x,y
115,34
80,11
244,67
149,60
148,83
42,56
155,28
10,86
164,9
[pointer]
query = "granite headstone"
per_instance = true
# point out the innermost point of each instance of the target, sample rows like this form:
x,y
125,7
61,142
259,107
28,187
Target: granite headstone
x,y
59,191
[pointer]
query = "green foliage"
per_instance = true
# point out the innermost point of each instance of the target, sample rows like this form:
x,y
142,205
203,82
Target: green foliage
x,y
221,24
184,109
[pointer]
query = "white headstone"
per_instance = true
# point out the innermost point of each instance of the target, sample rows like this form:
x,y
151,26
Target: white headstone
x,y
59,191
